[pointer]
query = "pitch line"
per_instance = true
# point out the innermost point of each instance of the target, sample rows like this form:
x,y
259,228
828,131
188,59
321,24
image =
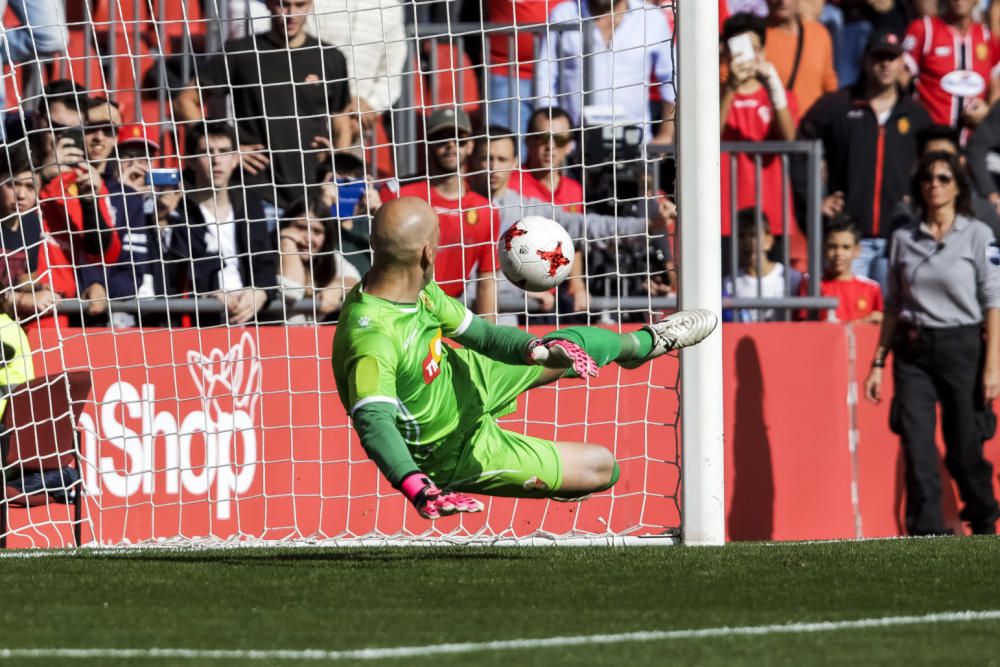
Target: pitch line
x,y
504,645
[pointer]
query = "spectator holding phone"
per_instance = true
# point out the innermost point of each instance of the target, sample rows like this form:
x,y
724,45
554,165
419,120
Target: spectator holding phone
x,y
78,215
56,137
349,195
21,235
754,106
218,236
311,264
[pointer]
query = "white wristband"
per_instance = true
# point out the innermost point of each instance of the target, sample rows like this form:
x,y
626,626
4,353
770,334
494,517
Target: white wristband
x,y
776,90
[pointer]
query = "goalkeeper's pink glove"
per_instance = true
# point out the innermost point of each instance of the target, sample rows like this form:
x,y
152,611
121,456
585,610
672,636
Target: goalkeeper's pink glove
x,y
433,503
558,353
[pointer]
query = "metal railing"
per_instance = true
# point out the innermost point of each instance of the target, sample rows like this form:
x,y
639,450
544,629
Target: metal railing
x,y
406,140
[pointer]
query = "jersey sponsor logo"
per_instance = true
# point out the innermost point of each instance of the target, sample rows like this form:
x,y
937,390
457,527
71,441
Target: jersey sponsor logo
x,y
432,364
409,339
963,83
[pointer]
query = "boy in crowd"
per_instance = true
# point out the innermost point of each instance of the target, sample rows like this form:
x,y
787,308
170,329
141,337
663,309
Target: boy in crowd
x,y
759,275
860,297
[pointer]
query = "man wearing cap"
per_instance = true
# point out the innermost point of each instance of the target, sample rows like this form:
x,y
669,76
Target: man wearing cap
x,y
131,207
469,226
869,134
136,150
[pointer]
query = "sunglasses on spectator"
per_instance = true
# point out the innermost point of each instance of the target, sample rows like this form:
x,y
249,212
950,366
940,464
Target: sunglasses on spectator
x,y
943,179
446,137
106,129
560,140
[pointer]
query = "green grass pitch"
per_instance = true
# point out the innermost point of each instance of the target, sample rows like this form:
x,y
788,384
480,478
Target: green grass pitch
x,y
336,599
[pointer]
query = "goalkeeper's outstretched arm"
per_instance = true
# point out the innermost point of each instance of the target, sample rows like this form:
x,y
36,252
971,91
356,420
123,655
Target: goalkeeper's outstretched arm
x,y
376,427
512,345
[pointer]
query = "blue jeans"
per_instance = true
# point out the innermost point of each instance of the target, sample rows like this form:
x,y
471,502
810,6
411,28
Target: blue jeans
x,y
873,262
506,106
42,32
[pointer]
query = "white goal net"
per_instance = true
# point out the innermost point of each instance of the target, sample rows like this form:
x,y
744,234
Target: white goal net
x,y
185,200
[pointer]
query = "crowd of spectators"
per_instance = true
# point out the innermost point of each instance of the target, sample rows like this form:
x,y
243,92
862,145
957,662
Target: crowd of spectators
x,y
272,187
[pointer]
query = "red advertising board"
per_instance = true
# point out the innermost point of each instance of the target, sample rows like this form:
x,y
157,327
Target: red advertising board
x,y
239,433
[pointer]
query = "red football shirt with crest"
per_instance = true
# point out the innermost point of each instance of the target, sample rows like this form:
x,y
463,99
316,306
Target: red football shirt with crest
x,y
858,297
568,194
951,69
469,232
750,119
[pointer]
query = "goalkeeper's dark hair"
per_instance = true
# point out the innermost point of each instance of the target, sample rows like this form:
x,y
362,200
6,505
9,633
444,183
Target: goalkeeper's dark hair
x,y
194,133
840,223
312,207
737,24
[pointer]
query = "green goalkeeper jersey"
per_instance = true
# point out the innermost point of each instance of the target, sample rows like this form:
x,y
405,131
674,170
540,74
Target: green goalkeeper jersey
x,y
386,352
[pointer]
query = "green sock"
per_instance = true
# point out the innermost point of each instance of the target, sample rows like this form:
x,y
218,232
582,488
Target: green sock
x,y
606,346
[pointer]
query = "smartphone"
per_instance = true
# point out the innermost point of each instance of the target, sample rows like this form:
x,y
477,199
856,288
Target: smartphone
x,y
741,48
163,178
349,193
74,134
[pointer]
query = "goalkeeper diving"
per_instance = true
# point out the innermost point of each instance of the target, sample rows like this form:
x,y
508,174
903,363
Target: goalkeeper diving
x,y
426,413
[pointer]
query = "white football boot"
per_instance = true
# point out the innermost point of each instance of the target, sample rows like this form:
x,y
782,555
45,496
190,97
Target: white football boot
x,y
682,329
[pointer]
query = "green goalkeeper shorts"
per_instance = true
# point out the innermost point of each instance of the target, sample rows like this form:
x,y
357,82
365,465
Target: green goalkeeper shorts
x,y
484,458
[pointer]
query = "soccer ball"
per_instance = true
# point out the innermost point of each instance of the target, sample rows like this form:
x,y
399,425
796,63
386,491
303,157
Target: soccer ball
x,y
536,253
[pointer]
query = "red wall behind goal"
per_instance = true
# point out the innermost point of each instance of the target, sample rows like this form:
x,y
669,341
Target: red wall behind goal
x,y
791,473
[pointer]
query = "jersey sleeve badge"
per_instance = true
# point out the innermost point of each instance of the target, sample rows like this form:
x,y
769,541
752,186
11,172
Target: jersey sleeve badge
x,y
993,253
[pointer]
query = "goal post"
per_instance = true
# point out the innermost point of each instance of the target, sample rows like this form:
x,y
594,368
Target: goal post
x,y
202,429
699,211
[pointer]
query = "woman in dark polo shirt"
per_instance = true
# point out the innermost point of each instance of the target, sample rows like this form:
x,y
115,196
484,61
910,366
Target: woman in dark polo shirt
x,y
944,291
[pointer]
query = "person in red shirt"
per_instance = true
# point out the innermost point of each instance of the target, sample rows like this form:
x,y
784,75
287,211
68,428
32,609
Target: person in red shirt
x,y
860,298
469,226
79,230
755,107
550,141
508,84
954,60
